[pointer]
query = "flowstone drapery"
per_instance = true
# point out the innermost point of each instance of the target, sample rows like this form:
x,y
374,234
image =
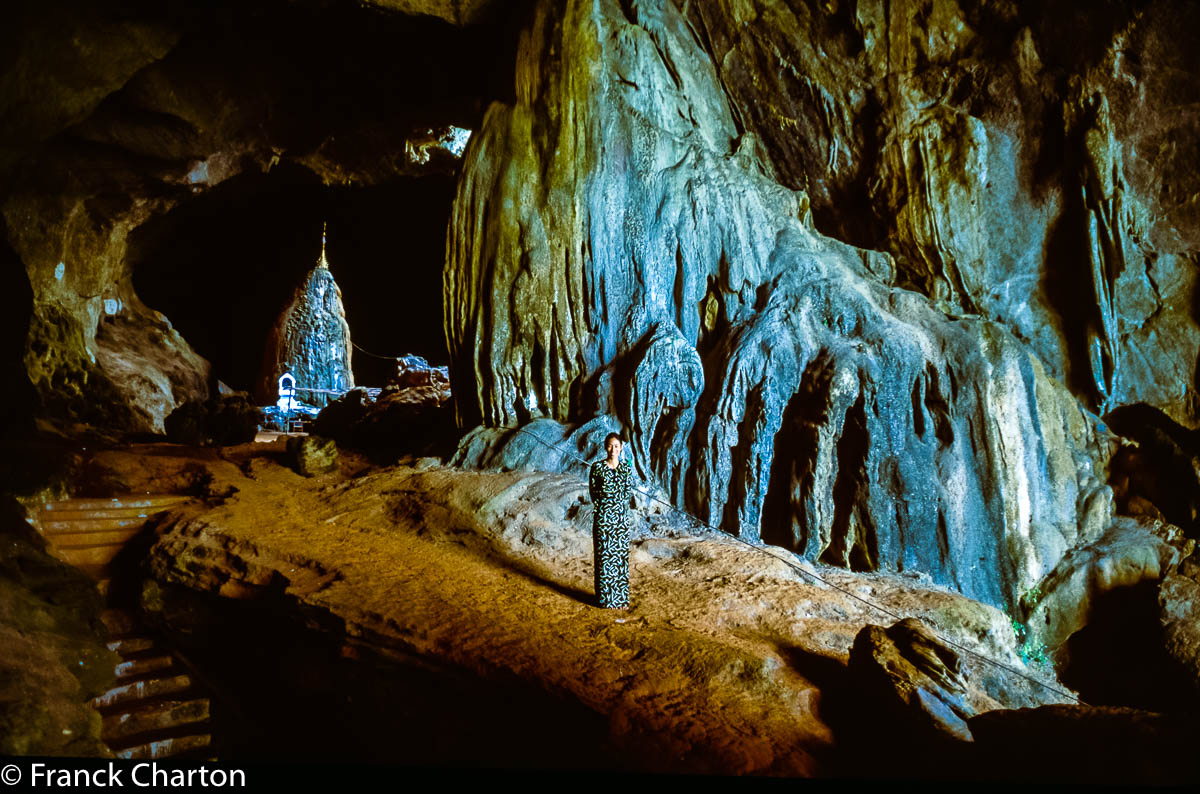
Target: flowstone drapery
x,y
620,246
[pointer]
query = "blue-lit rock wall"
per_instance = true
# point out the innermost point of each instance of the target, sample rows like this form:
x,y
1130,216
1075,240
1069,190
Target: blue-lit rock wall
x,y
650,233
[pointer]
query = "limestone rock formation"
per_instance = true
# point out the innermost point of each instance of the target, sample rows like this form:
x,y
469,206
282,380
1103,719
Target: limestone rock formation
x,y
1032,163
905,668
413,370
310,340
415,420
229,419
628,242
1128,553
540,445
1179,602
313,455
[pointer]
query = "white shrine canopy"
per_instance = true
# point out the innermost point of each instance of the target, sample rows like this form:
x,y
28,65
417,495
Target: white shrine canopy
x,y
287,393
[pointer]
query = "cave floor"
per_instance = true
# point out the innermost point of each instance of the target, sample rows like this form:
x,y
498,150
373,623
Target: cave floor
x,y
728,661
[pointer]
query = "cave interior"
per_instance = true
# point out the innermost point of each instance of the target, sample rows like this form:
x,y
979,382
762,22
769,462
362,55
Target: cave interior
x,y
899,296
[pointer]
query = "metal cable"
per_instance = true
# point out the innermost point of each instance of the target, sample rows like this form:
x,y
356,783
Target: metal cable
x,y
321,391
812,574
360,349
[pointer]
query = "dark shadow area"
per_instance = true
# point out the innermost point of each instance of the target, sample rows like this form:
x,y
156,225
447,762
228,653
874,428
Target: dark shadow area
x,y
1067,284
222,266
51,658
1080,744
1160,469
1074,37
304,690
353,65
878,740
387,249
574,593
853,542
841,706
792,446
861,719
1118,658
392,426
16,308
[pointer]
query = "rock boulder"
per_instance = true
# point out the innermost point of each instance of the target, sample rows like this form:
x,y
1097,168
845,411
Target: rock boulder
x,y
914,677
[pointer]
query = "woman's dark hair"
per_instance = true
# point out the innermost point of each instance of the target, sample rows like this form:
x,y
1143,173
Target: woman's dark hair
x,y
611,436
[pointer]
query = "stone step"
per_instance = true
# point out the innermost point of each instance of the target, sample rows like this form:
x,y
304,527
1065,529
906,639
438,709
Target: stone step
x,y
130,645
62,514
154,711
125,727
124,695
165,748
75,540
143,667
147,502
55,529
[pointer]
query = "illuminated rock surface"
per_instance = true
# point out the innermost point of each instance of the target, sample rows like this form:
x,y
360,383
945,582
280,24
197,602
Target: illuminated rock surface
x,y
776,381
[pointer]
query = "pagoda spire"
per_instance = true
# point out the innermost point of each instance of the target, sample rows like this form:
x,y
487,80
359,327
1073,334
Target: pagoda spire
x,y
323,262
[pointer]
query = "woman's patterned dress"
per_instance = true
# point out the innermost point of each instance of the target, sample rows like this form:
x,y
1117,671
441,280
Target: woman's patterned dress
x,y
610,491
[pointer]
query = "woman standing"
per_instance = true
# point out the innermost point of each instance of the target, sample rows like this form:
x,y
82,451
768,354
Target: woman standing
x,y
610,485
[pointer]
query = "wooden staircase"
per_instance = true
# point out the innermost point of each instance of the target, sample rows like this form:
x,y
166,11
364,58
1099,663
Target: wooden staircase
x,y
156,709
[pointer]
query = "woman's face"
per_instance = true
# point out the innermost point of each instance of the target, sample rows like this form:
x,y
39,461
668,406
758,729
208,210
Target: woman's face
x,y
614,448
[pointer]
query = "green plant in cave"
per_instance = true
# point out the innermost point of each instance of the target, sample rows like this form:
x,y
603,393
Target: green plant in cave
x,y
1031,649
1029,599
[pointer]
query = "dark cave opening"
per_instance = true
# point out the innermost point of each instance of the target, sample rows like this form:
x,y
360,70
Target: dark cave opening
x,y
1119,657
794,446
16,302
222,265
